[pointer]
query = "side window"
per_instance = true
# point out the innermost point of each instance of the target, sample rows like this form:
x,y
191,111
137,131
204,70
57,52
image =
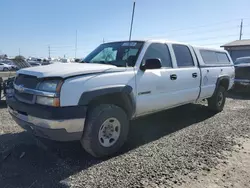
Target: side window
x,y
161,51
212,57
209,57
222,57
183,56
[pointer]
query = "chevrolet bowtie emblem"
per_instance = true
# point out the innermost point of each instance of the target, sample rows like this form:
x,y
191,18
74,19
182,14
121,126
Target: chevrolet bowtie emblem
x,y
20,88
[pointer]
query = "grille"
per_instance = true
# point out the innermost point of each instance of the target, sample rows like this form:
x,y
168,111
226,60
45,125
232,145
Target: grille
x,y
25,97
28,82
242,73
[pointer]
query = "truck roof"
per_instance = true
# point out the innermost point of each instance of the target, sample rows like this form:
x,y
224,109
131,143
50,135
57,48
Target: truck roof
x,y
175,42
149,40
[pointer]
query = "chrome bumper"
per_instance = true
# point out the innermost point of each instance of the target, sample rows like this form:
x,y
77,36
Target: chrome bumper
x,y
242,82
70,125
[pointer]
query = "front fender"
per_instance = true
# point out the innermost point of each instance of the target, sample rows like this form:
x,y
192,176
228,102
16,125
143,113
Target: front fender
x,y
121,95
88,96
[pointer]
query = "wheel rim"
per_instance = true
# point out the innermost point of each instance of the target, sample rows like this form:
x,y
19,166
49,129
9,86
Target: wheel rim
x,y
220,98
109,132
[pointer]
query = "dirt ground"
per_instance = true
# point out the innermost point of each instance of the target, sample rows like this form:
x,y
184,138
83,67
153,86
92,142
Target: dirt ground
x,y
234,172
185,147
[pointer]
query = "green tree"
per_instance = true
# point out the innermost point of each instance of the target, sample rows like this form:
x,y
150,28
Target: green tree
x,y
19,58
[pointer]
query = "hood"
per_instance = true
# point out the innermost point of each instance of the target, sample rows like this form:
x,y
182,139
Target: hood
x,y
66,69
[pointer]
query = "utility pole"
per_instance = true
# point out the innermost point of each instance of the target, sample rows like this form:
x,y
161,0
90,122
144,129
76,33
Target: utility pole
x,y
241,27
103,41
19,51
49,51
76,44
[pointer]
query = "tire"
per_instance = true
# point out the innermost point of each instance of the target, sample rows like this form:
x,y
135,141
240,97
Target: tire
x,y
217,101
5,69
98,118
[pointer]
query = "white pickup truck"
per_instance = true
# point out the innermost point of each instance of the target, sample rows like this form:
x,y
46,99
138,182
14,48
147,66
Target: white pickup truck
x,y
93,101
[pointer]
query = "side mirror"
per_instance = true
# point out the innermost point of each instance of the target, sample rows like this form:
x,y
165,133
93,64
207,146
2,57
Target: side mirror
x,y
151,64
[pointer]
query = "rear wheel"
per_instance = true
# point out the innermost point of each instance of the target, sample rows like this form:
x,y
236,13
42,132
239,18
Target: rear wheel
x,y
217,101
105,130
5,69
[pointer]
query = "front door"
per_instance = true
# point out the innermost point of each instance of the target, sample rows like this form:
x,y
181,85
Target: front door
x,y
155,86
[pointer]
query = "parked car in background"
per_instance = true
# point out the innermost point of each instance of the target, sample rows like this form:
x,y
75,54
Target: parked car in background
x,y
242,73
34,64
45,62
12,64
5,67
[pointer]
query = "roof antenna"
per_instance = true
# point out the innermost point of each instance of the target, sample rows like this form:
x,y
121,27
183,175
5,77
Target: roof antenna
x,y
131,28
132,21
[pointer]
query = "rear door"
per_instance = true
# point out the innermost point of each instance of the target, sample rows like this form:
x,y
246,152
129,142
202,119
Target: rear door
x,y
187,73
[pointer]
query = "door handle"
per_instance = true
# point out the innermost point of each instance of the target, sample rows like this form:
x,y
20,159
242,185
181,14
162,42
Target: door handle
x,y
173,76
194,75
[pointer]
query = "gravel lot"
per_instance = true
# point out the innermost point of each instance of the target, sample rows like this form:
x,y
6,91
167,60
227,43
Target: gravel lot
x,y
167,149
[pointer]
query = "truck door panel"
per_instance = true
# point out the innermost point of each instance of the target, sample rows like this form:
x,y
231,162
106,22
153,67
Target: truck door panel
x,y
188,74
209,79
154,86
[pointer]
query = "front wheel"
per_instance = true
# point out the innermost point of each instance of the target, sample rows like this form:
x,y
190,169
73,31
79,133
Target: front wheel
x,y
217,101
105,130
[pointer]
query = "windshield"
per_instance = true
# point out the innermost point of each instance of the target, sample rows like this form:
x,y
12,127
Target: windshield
x,y
120,54
242,61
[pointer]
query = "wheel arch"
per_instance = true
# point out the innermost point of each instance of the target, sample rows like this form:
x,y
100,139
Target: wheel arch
x,y
222,81
121,96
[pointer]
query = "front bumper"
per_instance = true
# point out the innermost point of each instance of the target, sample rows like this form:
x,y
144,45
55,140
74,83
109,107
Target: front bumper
x,y
240,84
60,124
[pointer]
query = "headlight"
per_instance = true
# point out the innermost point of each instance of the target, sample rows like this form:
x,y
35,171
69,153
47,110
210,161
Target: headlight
x,y
53,86
49,85
48,101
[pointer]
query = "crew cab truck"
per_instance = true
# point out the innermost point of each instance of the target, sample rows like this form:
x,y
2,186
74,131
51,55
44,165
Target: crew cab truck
x,y
94,101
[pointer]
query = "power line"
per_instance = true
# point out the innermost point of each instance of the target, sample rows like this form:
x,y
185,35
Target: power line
x,y
196,32
216,43
72,48
215,37
196,27
207,25
60,47
214,30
